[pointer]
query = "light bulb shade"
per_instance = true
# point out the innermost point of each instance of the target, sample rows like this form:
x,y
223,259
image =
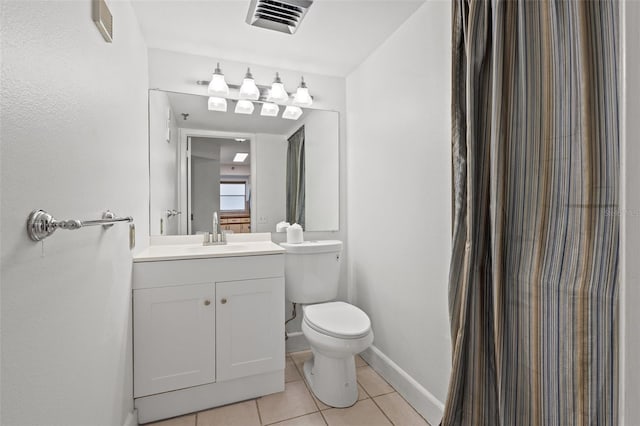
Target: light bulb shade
x,y
302,97
218,86
249,90
278,93
244,107
217,104
269,109
292,112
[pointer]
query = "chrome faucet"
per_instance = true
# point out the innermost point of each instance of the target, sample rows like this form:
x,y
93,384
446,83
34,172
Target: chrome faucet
x,y
218,236
216,227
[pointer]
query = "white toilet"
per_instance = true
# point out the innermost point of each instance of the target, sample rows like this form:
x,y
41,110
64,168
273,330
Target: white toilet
x,y
336,331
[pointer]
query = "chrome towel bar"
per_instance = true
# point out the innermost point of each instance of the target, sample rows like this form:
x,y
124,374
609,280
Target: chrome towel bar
x,y
41,224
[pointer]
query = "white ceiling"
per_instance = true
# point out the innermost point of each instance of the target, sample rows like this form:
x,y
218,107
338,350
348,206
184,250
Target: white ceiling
x,y
334,37
228,148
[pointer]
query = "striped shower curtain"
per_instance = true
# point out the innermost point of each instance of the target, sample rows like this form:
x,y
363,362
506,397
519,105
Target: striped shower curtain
x,y
533,292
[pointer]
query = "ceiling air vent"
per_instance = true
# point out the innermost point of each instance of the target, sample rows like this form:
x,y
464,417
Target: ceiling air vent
x,y
284,16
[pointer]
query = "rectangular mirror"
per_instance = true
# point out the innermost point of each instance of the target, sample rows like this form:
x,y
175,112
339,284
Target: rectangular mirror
x,y
254,170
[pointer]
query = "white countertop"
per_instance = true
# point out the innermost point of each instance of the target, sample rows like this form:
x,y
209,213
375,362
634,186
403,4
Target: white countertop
x,y
187,248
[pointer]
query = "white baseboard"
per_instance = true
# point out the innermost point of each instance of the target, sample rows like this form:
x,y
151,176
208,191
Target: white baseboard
x,y
132,419
296,342
420,398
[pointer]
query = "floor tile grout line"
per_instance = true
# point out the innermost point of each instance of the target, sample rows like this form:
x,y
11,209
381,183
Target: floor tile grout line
x,y
313,397
363,389
300,369
383,412
290,418
324,418
283,420
416,411
258,410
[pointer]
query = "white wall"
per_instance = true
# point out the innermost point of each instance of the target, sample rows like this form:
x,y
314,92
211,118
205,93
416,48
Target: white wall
x,y
630,218
233,171
321,170
205,183
163,160
271,168
74,142
399,208
205,191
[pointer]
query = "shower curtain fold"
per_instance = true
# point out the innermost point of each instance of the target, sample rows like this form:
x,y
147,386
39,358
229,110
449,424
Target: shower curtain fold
x,y
296,195
533,280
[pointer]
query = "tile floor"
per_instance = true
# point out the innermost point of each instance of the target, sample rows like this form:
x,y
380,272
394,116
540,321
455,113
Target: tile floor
x,y
378,404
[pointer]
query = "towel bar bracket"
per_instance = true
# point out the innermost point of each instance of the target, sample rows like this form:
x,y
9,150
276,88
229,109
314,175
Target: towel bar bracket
x,y
41,224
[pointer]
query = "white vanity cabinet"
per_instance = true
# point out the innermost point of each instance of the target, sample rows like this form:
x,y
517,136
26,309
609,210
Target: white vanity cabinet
x,y
250,331
174,338
206,332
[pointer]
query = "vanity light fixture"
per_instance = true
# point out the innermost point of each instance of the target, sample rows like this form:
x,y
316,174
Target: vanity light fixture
x,y
244,107
241,139
240,157
278,93
302,96
249,90
217,104
269,109
218,86
292,112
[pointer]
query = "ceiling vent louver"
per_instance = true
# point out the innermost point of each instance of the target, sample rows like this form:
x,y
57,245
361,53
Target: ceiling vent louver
x,y
278,15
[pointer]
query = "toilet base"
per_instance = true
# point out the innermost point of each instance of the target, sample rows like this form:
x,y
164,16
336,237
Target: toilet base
x,y
332,380
331,373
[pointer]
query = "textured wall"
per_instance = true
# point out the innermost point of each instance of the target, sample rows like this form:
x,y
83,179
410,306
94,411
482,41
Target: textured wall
x,y
74,142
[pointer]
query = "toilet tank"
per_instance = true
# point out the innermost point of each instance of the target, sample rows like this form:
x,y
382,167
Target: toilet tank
x,y
312,271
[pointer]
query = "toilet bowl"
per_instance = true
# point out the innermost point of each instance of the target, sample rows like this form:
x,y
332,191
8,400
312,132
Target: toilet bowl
x,y
336,331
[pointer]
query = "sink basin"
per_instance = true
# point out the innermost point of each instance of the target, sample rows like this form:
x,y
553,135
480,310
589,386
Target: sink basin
x,y
223,248
197,251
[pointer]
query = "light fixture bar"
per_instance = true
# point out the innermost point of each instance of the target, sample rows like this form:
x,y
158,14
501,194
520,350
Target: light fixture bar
x,y
264,90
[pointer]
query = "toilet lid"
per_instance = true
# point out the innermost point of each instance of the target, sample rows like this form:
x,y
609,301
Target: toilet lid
x,y
337,319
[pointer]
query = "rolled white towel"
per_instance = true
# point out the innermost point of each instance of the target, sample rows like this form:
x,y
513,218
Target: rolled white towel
x,y
282,226
294,234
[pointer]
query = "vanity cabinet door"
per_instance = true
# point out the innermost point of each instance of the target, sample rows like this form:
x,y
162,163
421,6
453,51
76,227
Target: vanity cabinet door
x,y
174,338
250,327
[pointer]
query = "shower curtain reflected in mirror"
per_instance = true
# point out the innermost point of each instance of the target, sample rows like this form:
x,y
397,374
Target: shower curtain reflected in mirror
x,y
296,179
534,272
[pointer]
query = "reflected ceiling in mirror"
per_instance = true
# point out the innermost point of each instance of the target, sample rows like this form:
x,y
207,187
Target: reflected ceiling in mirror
x,y
201,118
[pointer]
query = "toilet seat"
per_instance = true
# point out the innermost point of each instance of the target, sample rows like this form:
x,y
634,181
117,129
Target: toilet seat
x,y
337,319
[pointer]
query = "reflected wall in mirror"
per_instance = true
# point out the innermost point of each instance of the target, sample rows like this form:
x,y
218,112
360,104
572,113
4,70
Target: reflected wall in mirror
x,y
193,172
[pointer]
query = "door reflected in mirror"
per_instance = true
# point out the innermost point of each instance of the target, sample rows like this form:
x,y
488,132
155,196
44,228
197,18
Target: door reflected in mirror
x,y
241,166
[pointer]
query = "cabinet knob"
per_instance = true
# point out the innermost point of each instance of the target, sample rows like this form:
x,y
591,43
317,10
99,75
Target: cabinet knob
x,y
223,301
207,302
